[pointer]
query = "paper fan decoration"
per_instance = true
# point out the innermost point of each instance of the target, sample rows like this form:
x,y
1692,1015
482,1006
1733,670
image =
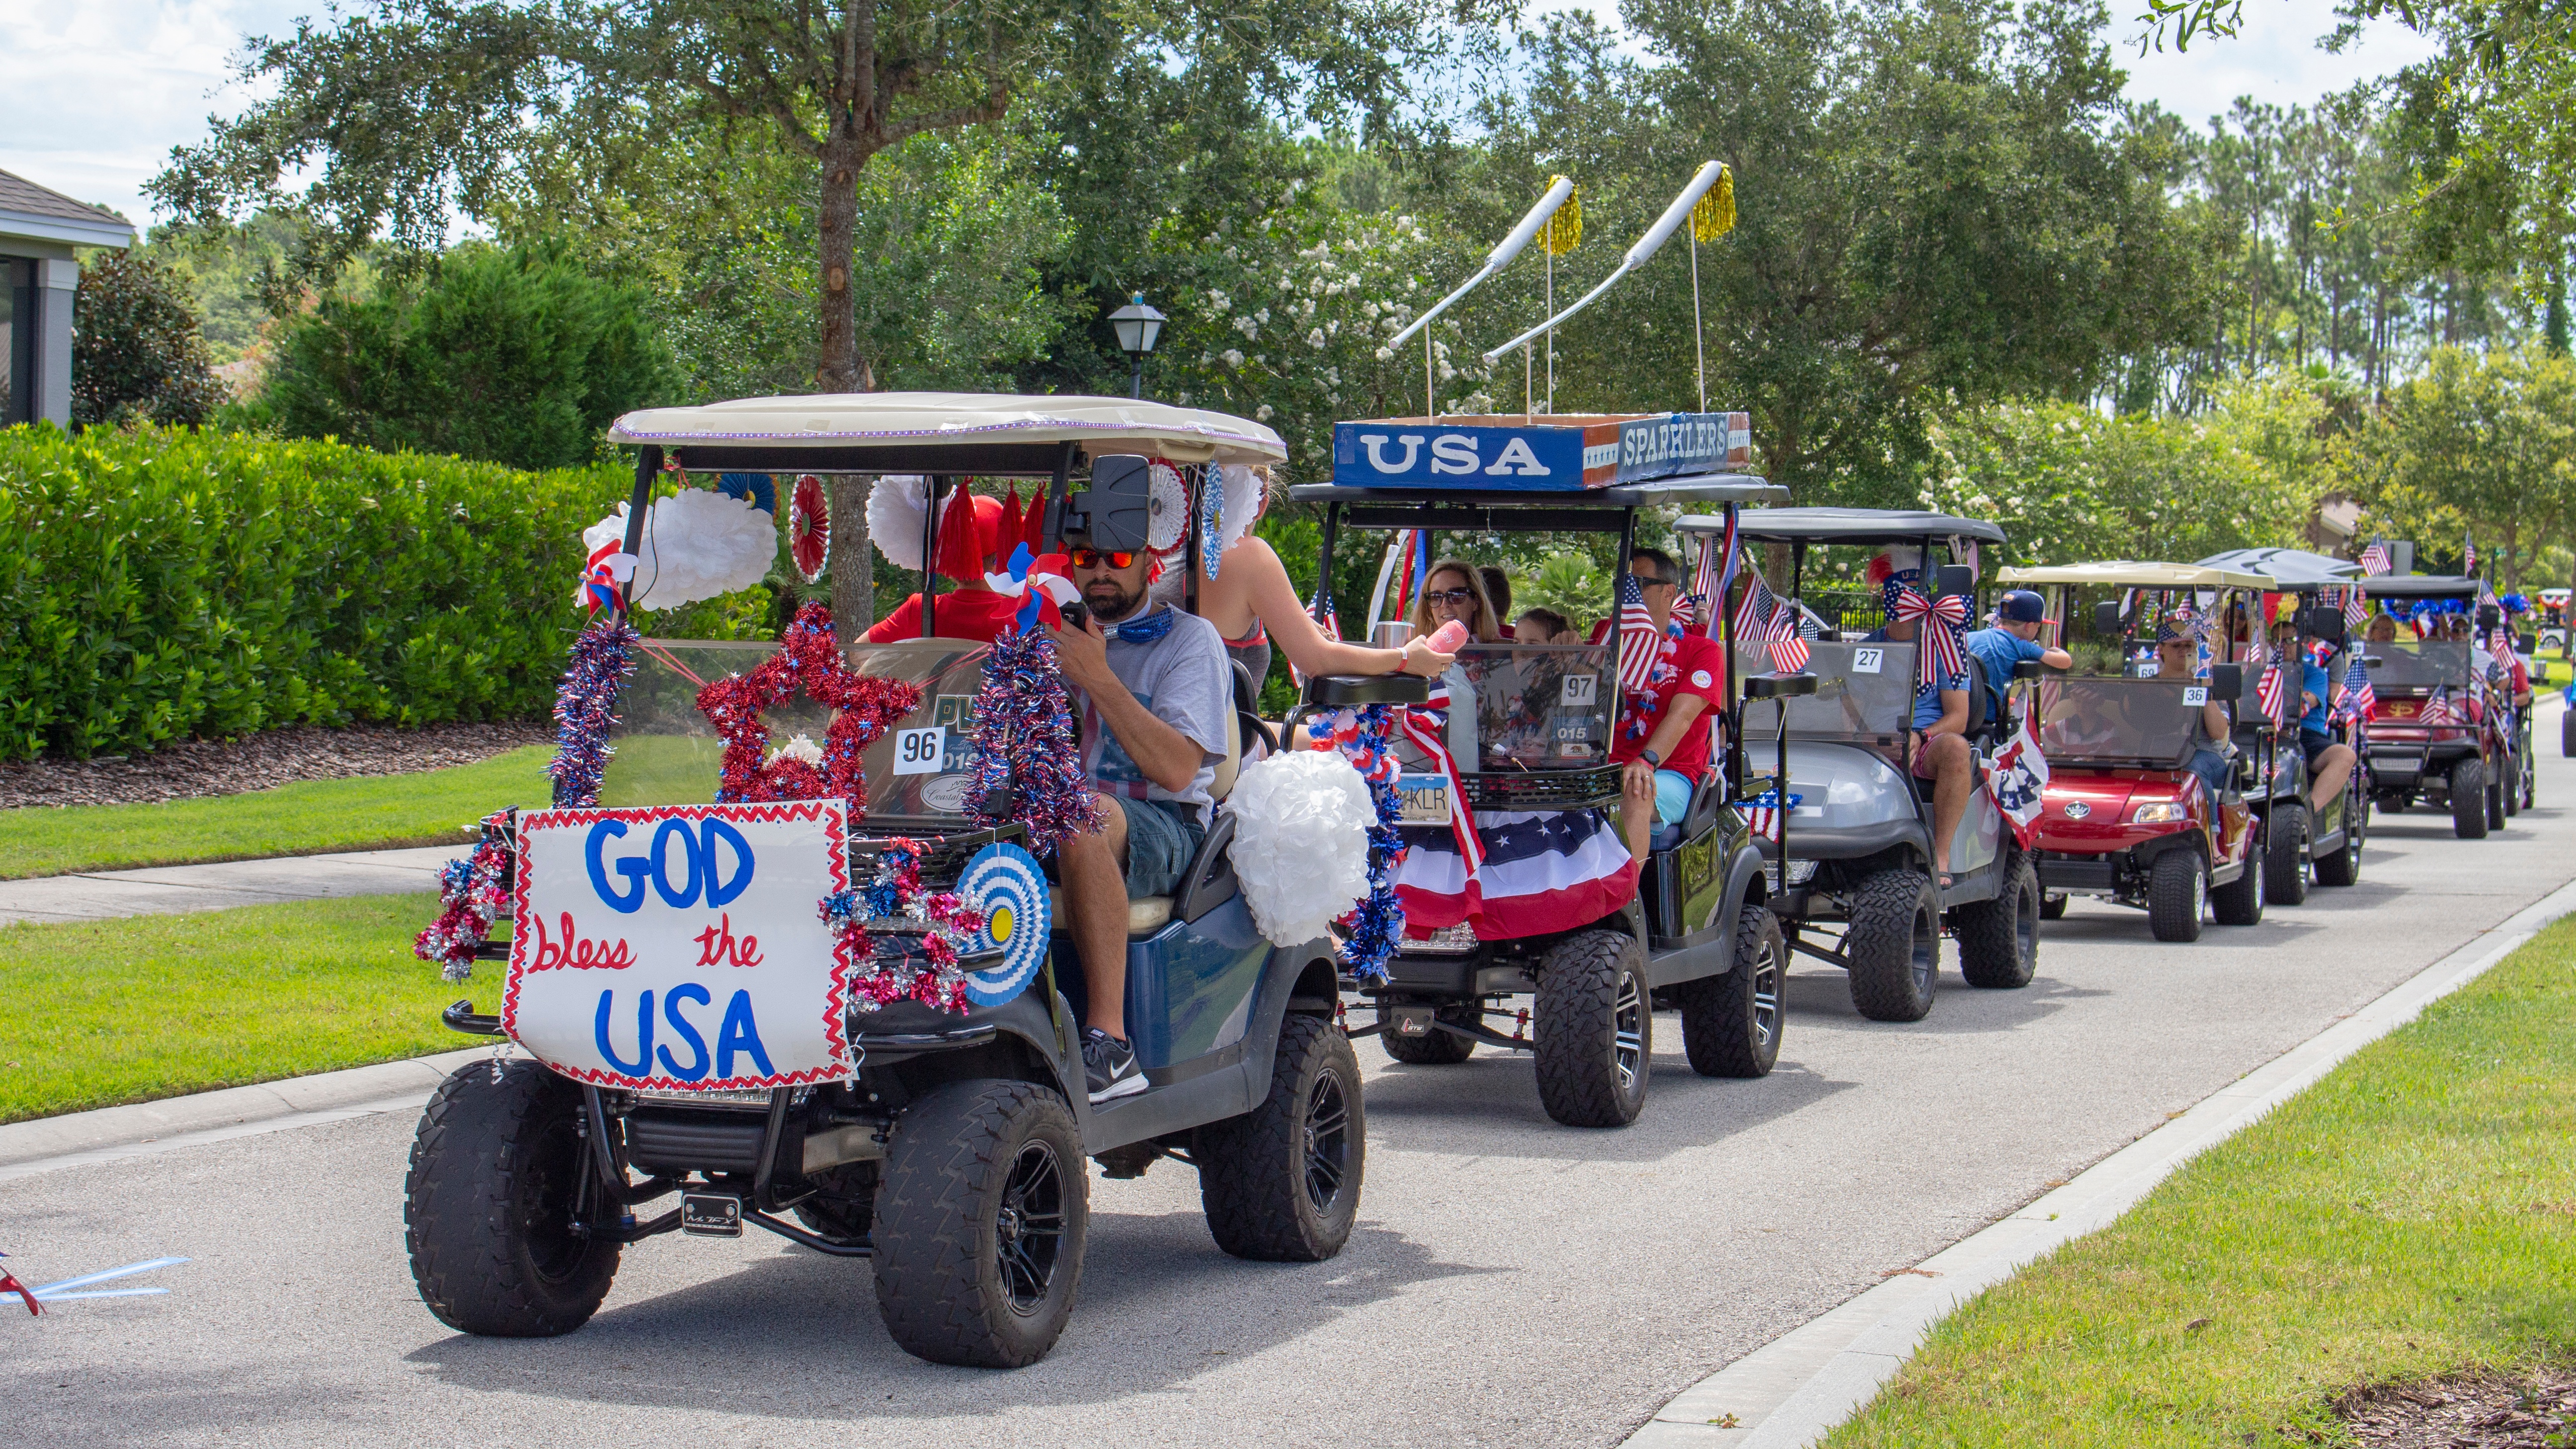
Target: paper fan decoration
x,y
1167,510
809,528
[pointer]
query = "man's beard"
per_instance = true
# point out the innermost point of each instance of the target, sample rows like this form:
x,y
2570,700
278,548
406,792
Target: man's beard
x,y
1109,601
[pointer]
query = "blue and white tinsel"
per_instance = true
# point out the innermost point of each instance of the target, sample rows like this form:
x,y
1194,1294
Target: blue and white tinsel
x,y
603,659
1378,923
1212,515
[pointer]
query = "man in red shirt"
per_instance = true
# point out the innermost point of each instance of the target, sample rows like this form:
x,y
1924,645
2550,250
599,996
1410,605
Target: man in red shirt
x,y
1661,738
969,533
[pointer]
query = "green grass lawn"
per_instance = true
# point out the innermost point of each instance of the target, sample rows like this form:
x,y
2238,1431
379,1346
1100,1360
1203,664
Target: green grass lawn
x,y
433,807
101,1012
2412,1215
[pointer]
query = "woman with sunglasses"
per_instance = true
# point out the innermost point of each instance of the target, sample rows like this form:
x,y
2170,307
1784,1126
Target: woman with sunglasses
x,y
1453,591
1254,606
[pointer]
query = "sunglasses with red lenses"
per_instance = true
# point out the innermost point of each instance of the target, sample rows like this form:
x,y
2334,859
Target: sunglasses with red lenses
x,y
1092,558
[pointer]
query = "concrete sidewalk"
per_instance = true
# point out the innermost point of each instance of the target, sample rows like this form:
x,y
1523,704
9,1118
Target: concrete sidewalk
x,y
172,889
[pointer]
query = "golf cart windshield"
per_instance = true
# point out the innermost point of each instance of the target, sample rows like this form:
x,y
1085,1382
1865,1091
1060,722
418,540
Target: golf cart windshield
x,y
2424,664
1864,692
668,754
2130,721
1537,707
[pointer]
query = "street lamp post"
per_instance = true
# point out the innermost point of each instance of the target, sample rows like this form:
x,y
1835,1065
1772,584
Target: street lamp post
x,y
1137,325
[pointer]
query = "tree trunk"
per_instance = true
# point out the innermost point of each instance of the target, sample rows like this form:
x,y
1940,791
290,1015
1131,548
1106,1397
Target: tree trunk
x,y
839,369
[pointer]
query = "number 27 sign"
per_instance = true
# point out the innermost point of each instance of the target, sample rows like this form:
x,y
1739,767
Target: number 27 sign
x,y
679,946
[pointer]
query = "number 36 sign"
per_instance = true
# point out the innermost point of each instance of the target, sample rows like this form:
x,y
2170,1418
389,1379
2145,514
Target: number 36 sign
x,y
679,946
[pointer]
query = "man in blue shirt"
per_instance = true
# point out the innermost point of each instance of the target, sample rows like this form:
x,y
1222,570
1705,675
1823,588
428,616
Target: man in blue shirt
x,y
2015,637
1938,743
2329,762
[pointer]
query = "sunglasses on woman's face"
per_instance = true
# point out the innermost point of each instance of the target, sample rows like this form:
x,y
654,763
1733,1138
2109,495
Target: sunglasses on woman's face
x,y
1454,598
1095,558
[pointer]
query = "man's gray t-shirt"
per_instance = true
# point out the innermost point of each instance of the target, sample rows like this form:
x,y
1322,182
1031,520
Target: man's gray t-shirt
x,y
1184,680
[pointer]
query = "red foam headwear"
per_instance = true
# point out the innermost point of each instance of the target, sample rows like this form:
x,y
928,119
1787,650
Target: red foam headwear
x,y
966,532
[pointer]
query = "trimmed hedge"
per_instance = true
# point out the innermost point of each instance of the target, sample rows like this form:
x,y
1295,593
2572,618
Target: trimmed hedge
x,y
159,584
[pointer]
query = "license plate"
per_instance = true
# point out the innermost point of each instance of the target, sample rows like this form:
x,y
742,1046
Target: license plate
x,y
711,1214
1424,799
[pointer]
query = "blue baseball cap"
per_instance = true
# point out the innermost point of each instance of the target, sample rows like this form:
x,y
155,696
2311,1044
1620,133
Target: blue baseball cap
x,y
2021,606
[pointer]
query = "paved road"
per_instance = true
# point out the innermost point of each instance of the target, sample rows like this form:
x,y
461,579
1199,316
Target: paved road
x,y
172,889
1512,1282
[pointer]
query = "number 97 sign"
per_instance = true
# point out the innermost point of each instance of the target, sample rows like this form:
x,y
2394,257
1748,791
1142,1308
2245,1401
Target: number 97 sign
x,y
679,946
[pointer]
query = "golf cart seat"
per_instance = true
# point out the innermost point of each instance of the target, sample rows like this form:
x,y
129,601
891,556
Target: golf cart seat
x,y
1706,796
1208,881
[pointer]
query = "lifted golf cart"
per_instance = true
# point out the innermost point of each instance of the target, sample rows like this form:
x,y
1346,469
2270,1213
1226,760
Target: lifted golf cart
x,y
947,1148
2439,736
1860,854
1530,731
2123,816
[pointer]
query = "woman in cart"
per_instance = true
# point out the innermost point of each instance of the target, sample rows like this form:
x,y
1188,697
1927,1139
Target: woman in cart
x,y
2178,656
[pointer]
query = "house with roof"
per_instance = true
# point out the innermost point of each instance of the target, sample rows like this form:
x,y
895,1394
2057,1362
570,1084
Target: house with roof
x,y
39,268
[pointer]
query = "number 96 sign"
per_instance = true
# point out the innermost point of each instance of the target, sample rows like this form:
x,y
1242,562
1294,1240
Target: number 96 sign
x,y
679,946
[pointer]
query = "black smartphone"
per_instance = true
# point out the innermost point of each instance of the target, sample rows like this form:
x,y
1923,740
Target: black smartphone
x,y
1076,614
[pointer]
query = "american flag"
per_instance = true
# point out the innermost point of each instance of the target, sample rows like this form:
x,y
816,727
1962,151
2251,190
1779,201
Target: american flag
x,y
1640,642
1754,611
1686,610
2441,709
2375,560
2357,700
2272,695
2356,606
1763,616
1762,812
1716,574
2468,554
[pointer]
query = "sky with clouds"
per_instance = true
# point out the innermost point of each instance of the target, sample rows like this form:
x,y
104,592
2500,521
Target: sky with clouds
x,y
97,92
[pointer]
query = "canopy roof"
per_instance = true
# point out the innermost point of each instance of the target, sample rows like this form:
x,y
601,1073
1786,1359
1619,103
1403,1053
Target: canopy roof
x,y
2420,586
1736,488
2292,567
941,432
2127,574
1847,525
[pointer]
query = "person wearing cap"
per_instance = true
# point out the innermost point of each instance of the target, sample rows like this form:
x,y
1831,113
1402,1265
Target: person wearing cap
x,y
2019,617
2329,760
1938,743
970,536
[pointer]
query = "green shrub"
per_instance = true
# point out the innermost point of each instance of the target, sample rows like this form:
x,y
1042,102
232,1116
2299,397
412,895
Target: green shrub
x,y
160,584
508,355
137,353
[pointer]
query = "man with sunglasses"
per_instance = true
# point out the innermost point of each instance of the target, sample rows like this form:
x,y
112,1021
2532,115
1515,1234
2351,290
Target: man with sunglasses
x,y
1661,740
1157,699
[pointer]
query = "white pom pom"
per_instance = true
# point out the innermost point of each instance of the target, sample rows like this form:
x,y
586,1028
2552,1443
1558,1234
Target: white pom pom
x,y
895,507
1244,488
1301,841
697,545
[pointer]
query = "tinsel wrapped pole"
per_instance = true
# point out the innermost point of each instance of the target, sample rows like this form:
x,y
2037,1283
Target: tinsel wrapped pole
x,y
603,659
1362,737
1028,745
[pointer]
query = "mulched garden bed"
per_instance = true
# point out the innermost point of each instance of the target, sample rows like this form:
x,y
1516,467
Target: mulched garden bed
x,y
2473,1413
192,768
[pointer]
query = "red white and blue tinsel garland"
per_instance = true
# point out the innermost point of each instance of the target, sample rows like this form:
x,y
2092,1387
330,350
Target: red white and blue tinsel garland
x,y
1361,736
1028,745
470,893
603,658
896,905
808,658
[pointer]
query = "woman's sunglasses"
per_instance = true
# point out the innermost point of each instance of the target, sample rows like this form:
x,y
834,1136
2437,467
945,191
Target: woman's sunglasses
x,y
1454,598
1092,558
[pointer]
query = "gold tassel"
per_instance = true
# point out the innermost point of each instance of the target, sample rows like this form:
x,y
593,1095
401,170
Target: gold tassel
x,y
1714,217
1564,230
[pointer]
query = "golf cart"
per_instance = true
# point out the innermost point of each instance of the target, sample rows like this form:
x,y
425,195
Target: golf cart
x,y
2310,586
2124,817
1861,854
2553,623
1529,732
947,1146
2439,736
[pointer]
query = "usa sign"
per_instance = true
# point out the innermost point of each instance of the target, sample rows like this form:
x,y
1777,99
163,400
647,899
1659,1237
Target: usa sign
x,y
679,947
1559,453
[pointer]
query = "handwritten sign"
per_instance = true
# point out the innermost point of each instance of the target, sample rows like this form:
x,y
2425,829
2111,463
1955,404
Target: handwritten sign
x,y
678,946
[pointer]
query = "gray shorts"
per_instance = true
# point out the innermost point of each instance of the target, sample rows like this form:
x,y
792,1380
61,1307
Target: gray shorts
x,y
1162,838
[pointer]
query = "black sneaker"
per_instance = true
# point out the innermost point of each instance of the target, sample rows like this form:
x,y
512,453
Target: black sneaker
x,y
1109,1067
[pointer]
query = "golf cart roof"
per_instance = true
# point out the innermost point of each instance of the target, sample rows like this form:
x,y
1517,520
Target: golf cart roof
x,y
940,432
2293,567
2420,586
1736,488
1847,525
2126,574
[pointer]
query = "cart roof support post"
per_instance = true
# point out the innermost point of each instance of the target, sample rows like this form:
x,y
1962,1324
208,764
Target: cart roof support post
x,y
648,462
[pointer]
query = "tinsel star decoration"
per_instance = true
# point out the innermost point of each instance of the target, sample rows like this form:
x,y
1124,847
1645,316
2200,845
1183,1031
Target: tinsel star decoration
x,y
882,920
1028,744
470,894
808,659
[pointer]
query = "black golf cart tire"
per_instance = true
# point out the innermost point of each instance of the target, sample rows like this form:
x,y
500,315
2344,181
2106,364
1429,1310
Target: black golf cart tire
x,y
1999,939
1255,1171
2567,734
2469,800
2509,793
2177,887
2495,794
2052,905
2343,868
2240,902
1890,914
939,1280
2285,853
493,1134
1576,1030
1435,1049
1723,1028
